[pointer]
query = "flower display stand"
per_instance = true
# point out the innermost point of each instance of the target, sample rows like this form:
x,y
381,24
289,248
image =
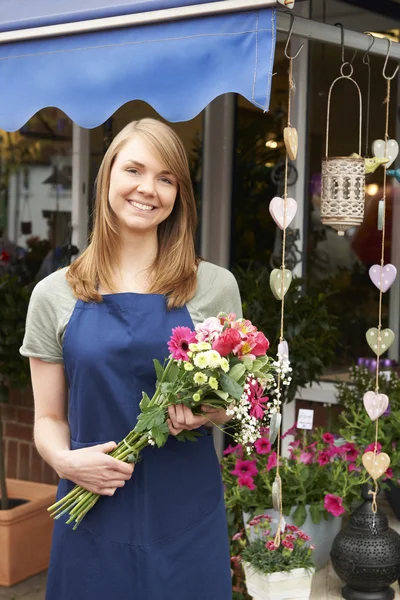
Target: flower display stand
x,y
290,585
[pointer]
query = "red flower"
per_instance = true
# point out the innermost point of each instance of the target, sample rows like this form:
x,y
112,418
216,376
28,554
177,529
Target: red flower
x,y
259,343
270,545
178,344
291,431
303,536
328,438
263,446
245,467
333,504
246,480
290,537
292,528
227,341
272,462
287,544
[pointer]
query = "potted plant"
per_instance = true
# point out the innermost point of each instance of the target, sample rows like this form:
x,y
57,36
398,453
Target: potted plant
x,y
357,426
320,482
276,573
25,528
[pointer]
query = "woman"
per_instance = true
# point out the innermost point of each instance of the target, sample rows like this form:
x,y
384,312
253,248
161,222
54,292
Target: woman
x,y
92,333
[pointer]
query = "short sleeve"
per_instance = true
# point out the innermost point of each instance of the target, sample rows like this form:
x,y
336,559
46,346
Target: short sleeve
x,y
217,291
49,308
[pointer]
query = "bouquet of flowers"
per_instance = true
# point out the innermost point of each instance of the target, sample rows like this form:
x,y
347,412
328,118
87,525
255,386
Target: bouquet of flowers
x,y
222,364
257,547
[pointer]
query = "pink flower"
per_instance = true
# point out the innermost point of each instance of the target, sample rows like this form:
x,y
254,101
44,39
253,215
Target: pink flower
x,y
291,431
272,462
178,344
238,449
371,447
349,451
292,528
244,327
262,446
246,480
389,473
295,445
352,467
224,318
290,537
259,343
227,341
328,438
208,330
256,399
303,536
324,458
245,467
270,545
333,504
306,457
237,536
287,544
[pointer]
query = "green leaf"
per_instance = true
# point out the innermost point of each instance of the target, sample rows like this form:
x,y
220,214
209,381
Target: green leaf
x,y
257,365
221,394
149,418
315,513
188,436
173,373
159,369
299,515
160,434
145,401
230,386
248,363
237,371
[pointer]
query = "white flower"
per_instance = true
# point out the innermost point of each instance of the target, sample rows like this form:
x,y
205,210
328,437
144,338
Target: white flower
x,y
214,358
194,347
202,360
213,383
188,366
200,378
204,346
224,365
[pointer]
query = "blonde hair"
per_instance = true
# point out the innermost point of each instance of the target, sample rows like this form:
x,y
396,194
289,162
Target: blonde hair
x,y
173,272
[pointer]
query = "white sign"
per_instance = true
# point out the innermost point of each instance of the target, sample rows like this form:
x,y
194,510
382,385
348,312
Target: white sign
x,y
305,418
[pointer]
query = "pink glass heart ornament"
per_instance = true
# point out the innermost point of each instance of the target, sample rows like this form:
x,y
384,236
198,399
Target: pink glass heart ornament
x,y
389,273
277,210
375,404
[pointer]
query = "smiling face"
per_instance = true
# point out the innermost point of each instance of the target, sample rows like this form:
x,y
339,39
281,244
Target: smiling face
x,y
142,192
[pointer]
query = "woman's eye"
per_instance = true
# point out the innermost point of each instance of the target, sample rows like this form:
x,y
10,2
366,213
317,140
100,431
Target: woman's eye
x,y
165,180
132,170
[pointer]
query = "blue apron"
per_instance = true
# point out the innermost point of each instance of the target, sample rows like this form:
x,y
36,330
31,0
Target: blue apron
x,y
163,536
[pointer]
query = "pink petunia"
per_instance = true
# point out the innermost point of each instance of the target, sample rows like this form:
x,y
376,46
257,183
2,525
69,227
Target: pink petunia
x,y
349,451
209,330
306,458
238,449
333,504
328,438
245,467
291,431
270,545
178,344
371,447
272,462
246,480
263,446
352,467
324,458
389,473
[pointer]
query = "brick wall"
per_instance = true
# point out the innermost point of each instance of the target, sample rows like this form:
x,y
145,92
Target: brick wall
x,y
22,458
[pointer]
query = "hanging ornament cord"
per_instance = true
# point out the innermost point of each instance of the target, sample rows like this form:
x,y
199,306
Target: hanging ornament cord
x,y
382,263
367,62
292,88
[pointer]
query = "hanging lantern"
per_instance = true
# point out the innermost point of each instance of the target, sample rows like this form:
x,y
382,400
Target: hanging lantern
x,y
343,178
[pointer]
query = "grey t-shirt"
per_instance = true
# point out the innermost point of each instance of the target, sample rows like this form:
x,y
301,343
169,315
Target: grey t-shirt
x,y
52,303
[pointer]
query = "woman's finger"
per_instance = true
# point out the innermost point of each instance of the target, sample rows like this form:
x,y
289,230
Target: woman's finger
x,y
173,430
209,409
180,414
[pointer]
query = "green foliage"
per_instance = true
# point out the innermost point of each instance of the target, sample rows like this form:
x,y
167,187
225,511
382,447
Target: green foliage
x,y
310,330
14,300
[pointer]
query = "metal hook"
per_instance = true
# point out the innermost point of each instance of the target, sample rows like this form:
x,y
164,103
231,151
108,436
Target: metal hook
x,y
355,52
366,59
386,62
289,38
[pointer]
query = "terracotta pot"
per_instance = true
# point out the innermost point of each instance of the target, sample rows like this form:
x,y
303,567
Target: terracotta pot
x,y
25,531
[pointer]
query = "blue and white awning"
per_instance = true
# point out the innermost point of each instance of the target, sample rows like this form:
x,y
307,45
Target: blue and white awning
x,y
176,66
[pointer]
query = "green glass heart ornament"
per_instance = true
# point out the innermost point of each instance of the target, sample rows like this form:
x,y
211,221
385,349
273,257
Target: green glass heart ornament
x,y
275,282
274,426
387,338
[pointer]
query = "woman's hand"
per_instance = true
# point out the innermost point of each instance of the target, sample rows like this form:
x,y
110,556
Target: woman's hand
x,y
93,469
181,418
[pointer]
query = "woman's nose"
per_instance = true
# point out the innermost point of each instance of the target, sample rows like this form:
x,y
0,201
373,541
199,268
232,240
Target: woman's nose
x,y
146,185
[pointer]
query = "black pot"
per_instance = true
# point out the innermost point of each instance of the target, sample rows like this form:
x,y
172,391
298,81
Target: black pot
x,y
26,227
366,555
393,497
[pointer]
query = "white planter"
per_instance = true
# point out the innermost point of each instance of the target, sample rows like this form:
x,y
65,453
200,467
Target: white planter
x,y
322,534
289,585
